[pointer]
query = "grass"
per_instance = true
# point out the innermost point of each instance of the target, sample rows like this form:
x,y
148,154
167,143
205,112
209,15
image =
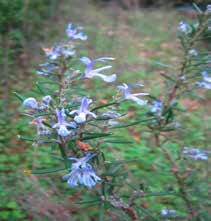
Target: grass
x,y
141,41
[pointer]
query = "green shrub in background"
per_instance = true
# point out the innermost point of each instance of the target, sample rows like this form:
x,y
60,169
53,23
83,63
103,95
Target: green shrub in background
x,y
20,25
128,4
21,20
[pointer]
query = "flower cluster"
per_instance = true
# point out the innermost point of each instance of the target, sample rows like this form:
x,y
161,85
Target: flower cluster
x,y
82,172
47,68
42,130
156,107
75,32
32,103
67,117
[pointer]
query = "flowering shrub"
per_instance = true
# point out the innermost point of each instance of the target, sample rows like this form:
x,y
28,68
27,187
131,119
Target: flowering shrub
x,y
78,123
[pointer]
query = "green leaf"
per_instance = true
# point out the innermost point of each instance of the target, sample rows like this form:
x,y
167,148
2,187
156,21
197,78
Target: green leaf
x,y
122,161
46,124
163,65
118,141
40,88
96,134
94,137
160,194
26,138
168,77
197,8
12,204
88,201
19,96
51,170
130,124
33,139
104,105
43,114
101,211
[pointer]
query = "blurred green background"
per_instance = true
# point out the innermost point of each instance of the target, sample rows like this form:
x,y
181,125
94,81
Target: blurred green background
x,y
141,35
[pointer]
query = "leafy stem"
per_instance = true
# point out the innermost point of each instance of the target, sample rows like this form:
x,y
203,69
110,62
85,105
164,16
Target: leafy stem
x,y
62,148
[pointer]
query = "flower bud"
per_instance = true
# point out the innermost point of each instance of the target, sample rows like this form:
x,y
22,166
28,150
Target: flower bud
x,y
47,99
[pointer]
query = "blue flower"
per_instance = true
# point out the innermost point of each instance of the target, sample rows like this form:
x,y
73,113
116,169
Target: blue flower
x,y
82,172
167,212
75,33
52,53
206,81
62,125
208,10
46,100
90,72
59,50
41,128
128,96
193,52
184,27
156,107
195,154
111,117
30,102
46,69
67,52
206,76
83,111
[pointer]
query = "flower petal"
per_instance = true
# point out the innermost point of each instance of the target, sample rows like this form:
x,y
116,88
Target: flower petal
x,y
137,100
106,78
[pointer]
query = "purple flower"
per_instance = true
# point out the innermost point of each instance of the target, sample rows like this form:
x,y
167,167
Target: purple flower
x,y
90,72
184,27
67,52
75,33
41,128
82,172
195,154
57,51
156,107
46,100
47,69
83,111
30,102
206,76
111,116
208,10
52,53
166,212
193,52
128,96
62,125
206,81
